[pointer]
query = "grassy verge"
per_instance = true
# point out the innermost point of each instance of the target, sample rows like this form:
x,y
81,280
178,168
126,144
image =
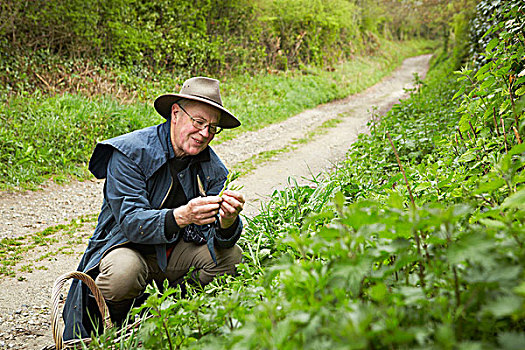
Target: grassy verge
x,y
45,137
63,237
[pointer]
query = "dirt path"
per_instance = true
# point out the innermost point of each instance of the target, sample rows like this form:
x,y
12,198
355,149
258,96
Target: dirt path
x,y
25,297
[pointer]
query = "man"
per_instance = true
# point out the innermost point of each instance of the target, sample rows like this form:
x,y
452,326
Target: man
x,y
161,215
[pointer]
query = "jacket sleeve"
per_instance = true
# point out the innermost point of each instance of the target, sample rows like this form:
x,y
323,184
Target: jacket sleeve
x,y
127,196
229,240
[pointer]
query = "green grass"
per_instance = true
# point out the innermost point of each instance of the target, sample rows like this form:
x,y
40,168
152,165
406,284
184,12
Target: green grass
x,y
12,250
44,137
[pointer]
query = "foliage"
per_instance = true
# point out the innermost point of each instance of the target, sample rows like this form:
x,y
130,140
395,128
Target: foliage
x,y
73,45
42,136
491,14
494,101
301,31
364,260
153,33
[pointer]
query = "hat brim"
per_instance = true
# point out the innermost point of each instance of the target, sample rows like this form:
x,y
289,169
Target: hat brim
x,y
163,106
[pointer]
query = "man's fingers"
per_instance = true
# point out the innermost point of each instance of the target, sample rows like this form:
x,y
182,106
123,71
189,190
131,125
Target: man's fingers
x,y
235,199
233,194
231,206
205,203
206,200
202,210
229,211
205,221
206,208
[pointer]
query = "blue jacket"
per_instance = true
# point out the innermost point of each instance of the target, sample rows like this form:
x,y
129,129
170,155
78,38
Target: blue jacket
x,y
138,179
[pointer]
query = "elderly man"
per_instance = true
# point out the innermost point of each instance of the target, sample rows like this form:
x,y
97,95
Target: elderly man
x,y
161,214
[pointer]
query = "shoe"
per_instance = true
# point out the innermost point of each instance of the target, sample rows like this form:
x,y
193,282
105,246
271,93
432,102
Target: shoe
x,y
118,310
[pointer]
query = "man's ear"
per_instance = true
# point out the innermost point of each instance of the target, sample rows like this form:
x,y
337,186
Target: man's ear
x,y
174,113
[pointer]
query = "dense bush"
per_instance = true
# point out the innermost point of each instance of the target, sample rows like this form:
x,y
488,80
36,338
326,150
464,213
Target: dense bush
x,y
489,21
310,31
185,35
60,45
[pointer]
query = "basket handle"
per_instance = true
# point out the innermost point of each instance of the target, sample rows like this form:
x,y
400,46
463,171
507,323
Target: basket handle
x,y
58,328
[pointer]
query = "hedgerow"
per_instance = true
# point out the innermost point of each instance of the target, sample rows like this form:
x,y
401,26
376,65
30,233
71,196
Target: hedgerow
x,y
198,36
365,259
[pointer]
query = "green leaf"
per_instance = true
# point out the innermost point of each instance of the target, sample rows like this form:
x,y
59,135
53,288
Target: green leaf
x,y
395,200
470,345
511,340
459,92
520,289
480,74
339,200
474,248
516,200
504,306
490,186
378,292
487,83
493,223
517,149
468,156
412,295
422,186
492,44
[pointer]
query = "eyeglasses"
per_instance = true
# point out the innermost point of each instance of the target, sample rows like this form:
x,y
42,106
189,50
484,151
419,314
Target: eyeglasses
x,y
201,124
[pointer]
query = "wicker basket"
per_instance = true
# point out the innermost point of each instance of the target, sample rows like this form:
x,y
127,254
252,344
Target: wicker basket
x,y
57,327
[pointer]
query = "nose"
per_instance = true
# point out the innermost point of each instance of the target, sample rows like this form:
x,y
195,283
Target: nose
x,y
205,132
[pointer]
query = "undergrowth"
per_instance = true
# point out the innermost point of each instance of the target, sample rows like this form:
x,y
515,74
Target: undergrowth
x,y
365,259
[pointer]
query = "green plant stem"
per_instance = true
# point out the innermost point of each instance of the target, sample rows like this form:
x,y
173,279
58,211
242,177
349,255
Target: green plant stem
x,y
402,171
415,233
504,134
494,119
166,330
456,287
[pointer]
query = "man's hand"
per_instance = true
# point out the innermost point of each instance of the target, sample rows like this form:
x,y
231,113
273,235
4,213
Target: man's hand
x,y
231,205
200,211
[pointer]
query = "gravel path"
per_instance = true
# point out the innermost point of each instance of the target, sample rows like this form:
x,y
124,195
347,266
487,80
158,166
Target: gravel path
x,y
25,297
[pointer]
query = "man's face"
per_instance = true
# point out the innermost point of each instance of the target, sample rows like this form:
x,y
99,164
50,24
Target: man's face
x,y
186,139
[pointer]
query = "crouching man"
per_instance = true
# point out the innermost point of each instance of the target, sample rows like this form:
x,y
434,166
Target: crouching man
x,y
161,214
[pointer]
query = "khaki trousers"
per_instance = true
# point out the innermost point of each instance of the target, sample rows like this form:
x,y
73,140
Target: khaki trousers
x,y
125,273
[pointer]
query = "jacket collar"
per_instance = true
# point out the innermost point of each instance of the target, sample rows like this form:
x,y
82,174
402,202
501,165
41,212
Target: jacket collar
x,y
148,148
